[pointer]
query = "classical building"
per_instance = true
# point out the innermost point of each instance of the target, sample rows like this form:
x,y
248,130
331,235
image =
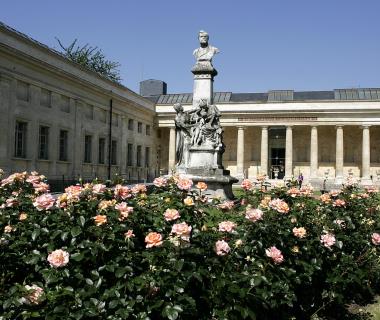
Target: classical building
x,y
321,134
65,121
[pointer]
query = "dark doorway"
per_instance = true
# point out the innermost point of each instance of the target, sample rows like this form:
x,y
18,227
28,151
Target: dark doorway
x,y
277,163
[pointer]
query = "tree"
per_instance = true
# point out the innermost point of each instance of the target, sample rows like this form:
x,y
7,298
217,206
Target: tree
x,y
93,59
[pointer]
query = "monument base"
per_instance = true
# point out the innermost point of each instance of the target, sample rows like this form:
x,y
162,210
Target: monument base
x,y
219,182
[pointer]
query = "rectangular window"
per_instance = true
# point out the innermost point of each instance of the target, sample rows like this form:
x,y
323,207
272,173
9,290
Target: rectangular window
x,y
138,156
20,139
45,98
43,143
147,131
130,155
147,156
22,91
113,152
87,148
63,144
139,127
101,150
130,124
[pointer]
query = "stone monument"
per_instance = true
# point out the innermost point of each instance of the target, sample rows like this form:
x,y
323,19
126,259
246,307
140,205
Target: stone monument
x,y
199,135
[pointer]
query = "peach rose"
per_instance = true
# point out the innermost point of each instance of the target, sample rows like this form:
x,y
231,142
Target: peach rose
x,y
171,214
100,219
23,216
58,258
299,232
279,205
139,188
325,198
41,187
293,192
44,202
222,248
265,202
189,201
201,186
184,184
182,230
105,204
339,203
153,239
8,229
227,226
253,214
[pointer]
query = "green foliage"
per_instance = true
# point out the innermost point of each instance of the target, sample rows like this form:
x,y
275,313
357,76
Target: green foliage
x,y
111,274
91,58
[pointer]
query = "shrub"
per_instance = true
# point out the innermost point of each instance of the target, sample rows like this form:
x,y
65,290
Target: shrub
x,y
120,253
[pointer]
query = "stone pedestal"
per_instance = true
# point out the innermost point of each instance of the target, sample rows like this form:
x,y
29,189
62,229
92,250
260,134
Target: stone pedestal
x,y
204,74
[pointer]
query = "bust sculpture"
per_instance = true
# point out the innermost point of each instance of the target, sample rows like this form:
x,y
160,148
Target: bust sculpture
x,y
204,53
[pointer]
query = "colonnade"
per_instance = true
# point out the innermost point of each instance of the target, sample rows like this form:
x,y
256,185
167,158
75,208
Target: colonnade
x,y
339,156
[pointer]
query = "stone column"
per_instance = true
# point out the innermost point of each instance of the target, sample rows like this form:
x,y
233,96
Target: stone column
x,y
171,163
314,152
366,155
240,153
339,157
6,124
289,153
264,151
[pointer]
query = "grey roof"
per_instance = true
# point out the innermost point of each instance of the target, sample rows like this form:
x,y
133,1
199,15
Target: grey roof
x,y
369,94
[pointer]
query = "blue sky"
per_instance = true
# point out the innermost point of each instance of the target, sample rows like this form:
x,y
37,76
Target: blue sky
x,y
271,44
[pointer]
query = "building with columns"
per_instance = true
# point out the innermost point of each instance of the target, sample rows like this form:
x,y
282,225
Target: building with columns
x,y
282,133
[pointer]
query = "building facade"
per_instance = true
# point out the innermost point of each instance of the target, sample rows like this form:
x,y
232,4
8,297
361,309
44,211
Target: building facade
x,y
321,134
66,122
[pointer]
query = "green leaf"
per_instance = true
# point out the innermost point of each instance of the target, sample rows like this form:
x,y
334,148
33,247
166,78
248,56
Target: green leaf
x,y
78,256
82,221
76,231
35,234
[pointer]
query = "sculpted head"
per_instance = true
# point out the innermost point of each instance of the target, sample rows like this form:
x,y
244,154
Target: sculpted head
x,y
203,38
178,107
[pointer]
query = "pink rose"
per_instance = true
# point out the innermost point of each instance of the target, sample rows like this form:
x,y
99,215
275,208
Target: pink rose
x,y
275,255
41,187
122,192
34,296
44,202
184,184
246,184
227,226
253,214
129,234
299,232
124,210
58,258
328,240
11,202
171,214
222,248
183,230
375,239
160,182
99,188
226,205
339,203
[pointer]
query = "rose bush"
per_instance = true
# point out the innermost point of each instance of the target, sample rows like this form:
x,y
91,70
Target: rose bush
x,y
120,253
